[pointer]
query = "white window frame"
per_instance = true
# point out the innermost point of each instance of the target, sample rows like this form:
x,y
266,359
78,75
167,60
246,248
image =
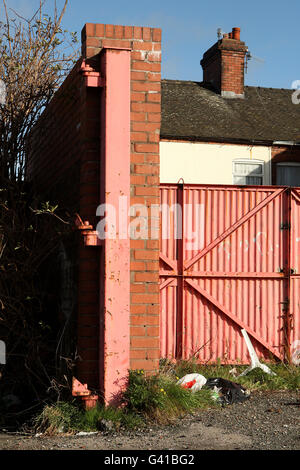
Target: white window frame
x,y
247,162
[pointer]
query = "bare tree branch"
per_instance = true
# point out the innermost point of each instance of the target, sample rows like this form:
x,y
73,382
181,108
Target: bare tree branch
x,y
32,66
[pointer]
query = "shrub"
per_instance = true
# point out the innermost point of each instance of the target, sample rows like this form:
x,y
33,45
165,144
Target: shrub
x,y
143,394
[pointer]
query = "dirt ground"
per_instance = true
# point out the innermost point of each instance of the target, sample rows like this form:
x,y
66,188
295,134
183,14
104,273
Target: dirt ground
x,y
267,421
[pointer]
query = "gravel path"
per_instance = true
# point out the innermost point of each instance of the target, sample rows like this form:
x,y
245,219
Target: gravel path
x,y
268,421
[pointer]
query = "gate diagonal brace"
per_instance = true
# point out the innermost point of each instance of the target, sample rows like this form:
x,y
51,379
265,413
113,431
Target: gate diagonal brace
x,y
254,359
231,316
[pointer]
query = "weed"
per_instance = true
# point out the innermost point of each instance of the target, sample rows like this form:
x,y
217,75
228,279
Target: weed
x,y
61,417
65,417
143,394
178,400
158,399
287,376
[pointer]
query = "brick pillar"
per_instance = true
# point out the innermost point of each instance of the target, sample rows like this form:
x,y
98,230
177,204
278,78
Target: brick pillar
x,y
145,103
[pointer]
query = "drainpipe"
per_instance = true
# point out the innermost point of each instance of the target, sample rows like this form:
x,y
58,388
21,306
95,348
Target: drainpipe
x,y
80,390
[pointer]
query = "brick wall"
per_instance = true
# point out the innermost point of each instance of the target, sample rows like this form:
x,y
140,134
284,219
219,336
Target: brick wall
x,y
232,77
212,71
65,163
55,142
64,167
145,44
223,65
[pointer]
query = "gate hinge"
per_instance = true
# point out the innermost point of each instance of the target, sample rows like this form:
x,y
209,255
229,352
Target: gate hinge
x,y
285,226
290,272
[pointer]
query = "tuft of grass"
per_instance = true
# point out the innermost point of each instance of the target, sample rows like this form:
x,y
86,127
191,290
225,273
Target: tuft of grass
x,y
158,399
62,417
287,376
178,401
143,393
70,418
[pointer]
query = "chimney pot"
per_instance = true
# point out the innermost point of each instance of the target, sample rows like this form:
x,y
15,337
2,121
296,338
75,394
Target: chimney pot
x,y
230,35
236,33
225,35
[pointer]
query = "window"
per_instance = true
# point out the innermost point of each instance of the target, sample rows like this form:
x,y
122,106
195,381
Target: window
x,y
248,172
288,174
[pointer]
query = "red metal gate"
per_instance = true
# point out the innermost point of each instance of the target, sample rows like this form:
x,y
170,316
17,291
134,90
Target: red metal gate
x,y
229,260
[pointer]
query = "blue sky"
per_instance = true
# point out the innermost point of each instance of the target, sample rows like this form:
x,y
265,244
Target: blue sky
x,y
269,28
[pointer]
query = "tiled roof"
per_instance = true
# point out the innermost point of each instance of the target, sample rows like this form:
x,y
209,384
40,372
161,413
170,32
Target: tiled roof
x,y
194,112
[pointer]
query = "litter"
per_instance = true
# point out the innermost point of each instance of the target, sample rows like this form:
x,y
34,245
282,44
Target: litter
x,y
295,352
233,372
215,394
194,382
229,392
254,359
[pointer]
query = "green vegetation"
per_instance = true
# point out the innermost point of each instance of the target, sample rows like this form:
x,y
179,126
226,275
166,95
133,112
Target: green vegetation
x,y
147,399
287,376
158,398
64,417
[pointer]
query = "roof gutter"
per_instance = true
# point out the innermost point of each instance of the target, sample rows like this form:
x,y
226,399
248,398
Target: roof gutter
x,y
216,140
286,142
268,143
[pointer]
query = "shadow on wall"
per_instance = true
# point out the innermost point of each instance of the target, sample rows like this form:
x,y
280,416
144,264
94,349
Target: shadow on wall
x,y
286,166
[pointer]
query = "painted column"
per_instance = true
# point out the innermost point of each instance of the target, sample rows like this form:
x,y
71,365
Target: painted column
x,y
115,252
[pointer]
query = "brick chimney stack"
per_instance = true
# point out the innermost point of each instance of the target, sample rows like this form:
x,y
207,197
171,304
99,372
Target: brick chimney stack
x,y
223,65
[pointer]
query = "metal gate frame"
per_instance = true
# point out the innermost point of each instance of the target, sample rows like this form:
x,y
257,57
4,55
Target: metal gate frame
x,y
179,274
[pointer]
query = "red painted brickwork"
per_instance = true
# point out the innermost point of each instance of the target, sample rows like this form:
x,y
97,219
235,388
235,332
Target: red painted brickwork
x,y
223,65
57,138
145,44
65,163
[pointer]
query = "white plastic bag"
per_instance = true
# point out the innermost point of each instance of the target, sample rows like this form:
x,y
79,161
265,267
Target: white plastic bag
x,y
193,382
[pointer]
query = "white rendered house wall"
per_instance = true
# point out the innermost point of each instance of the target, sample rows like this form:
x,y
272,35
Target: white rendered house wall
x,y
208,163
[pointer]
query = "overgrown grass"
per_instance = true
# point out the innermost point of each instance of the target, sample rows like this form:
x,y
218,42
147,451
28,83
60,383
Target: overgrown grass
x,y
158,398
61,417
70,418
287,376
